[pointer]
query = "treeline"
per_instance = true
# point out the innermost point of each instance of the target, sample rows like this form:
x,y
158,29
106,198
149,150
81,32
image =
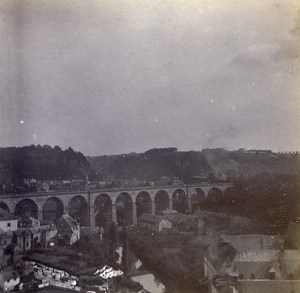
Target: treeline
x,y
149,166
18,164
271,200
156,163
175,259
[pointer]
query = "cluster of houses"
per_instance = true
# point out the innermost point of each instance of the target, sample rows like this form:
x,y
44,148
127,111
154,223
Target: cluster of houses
x,y
214,221
236,262
171,219
49,276
68,229
19,235
58,278
200,222
255,263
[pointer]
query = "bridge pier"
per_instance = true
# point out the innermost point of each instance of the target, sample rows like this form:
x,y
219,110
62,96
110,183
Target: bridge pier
x,y
134,216
92,217
153,207
114,213
171,204
40,214
205,191
190,204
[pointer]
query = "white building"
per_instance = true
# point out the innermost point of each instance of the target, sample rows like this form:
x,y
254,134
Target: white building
x,y
8,222
155,222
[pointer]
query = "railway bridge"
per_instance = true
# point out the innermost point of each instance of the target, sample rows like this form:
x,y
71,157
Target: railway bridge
x,y
122,205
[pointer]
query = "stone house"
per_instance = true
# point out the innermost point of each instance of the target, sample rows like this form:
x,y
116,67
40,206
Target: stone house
x,y
6,238
247,263
184,223
8,222
22,239
68,229
42,231
28,222
155,222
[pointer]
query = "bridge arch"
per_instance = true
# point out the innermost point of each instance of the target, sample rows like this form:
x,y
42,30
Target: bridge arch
x,y
229,191
26,207
180,201
197,198
79,210
215,192
53,209
103,210
124,209
4,206
162,201
143,203
214,199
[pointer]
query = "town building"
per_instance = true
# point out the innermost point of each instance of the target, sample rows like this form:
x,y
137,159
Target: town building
x,y
253,242
8,222
68,229
6,238
267,286
163,181
224,222
42,231
48,232
28,222
155,222
240,263
22,239
184,223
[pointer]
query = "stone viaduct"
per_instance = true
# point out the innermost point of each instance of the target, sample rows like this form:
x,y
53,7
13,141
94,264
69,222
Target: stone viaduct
x,y
92,202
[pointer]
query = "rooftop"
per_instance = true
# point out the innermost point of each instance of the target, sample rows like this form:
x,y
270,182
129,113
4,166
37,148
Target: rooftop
x,y
260,263
269,286
150,218
70,221
254,242
256,255
20,231
178,218
6,216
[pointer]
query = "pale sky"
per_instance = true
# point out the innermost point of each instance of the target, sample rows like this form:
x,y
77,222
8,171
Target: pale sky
x,y
110,77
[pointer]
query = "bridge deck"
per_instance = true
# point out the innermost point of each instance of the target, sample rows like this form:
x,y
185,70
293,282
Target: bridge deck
x,y
117,189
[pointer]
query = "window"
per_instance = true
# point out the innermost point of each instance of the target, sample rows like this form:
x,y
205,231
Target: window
x,y
272,275
8,224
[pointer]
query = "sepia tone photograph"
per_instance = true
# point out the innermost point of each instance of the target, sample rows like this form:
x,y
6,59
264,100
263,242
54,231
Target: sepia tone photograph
x,y
150,146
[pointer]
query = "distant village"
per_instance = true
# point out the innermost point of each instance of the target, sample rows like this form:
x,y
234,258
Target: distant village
x,y
34,185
